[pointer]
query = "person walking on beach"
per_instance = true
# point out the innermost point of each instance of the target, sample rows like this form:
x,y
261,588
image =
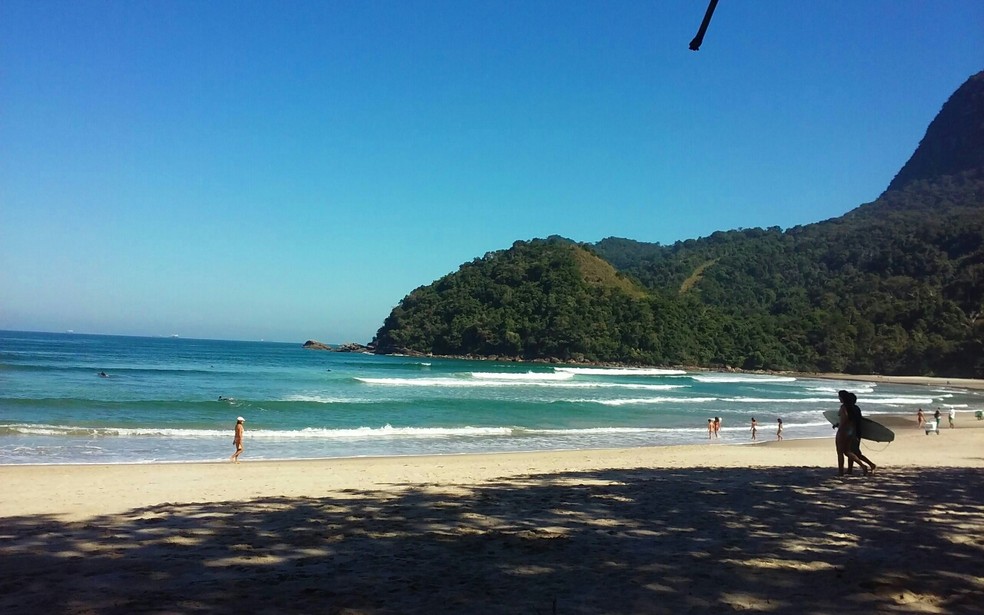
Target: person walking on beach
x,y
920,419
717,425
779,430
754,428
237,440
848,439
855,413
951,416
936,417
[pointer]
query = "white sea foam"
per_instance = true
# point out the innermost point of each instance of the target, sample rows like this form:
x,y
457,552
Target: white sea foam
x,y
604,430
779,400
628,371
66,430
417,382
833,390
265,434
516,382
649,400
523,377
390,431
895,401
327,399
734,378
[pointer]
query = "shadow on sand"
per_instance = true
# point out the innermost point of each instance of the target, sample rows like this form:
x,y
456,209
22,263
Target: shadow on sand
x,y
785,540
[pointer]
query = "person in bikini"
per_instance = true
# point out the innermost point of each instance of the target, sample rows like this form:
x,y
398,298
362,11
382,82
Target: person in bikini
x,y
237,439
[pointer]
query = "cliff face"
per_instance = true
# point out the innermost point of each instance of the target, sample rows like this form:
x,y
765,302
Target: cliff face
x,y
954,141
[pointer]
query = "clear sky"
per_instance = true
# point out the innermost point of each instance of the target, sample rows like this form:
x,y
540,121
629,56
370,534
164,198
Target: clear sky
x,y
291,170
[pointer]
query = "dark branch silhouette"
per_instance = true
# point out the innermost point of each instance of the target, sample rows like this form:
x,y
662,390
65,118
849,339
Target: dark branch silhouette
x,y
695,44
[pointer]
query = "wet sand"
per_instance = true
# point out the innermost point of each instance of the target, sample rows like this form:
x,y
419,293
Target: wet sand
x,y
767,527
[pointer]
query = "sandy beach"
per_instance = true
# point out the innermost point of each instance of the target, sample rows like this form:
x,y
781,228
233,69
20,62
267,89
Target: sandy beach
x,y
963,383
766,527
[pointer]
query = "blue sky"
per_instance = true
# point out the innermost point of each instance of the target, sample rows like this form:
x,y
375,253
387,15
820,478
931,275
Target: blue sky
x,y
291,170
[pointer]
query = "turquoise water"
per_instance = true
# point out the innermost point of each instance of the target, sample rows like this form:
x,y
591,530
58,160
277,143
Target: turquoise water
x,y
160,401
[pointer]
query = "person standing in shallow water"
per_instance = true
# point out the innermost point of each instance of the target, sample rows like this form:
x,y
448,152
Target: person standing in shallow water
x,y
754,428
237,440
710,428
779,430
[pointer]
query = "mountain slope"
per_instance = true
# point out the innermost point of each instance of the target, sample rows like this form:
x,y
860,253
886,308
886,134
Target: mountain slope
x,y
954,141
895,286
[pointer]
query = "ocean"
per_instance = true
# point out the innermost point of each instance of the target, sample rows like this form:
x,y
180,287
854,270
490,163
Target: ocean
x,y
176,400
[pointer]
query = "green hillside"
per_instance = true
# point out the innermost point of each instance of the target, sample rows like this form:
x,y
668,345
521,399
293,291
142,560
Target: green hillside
x,y
543,298
895,286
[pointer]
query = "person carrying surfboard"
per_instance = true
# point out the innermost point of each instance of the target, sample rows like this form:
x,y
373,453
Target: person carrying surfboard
x,y
848,438
854,412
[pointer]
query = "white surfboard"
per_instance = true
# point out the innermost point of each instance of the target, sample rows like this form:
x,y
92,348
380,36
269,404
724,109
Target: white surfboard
x,y
870,430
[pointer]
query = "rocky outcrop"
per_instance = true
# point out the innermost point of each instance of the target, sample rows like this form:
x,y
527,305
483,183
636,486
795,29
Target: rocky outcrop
x,y
954,141
352,347
346,347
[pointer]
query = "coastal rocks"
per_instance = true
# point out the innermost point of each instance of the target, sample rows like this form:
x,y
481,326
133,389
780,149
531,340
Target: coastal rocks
x,y
352,347
346,347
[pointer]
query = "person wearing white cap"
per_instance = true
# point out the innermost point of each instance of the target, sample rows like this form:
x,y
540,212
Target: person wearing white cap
x,y
238,439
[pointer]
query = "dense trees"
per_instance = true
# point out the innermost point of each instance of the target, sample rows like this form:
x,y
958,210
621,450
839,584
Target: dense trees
x,y
895,286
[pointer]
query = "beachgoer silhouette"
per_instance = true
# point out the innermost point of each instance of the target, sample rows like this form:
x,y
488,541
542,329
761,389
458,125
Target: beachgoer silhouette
x,y
754,427
847,441
855,413
779,430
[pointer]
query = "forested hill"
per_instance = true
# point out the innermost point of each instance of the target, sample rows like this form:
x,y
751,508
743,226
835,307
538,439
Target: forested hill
x,y
895,286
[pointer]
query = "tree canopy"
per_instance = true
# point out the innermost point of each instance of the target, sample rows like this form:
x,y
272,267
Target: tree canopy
x,y
895,286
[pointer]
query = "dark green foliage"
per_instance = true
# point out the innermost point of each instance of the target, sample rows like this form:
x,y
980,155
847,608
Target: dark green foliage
x,y
530,301
895,286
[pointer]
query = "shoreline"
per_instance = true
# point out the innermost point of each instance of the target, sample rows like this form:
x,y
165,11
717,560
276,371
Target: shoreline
x,y
765,527
961,383
74,491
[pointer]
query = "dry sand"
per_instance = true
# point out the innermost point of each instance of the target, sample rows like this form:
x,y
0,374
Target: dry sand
x,y
715,528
